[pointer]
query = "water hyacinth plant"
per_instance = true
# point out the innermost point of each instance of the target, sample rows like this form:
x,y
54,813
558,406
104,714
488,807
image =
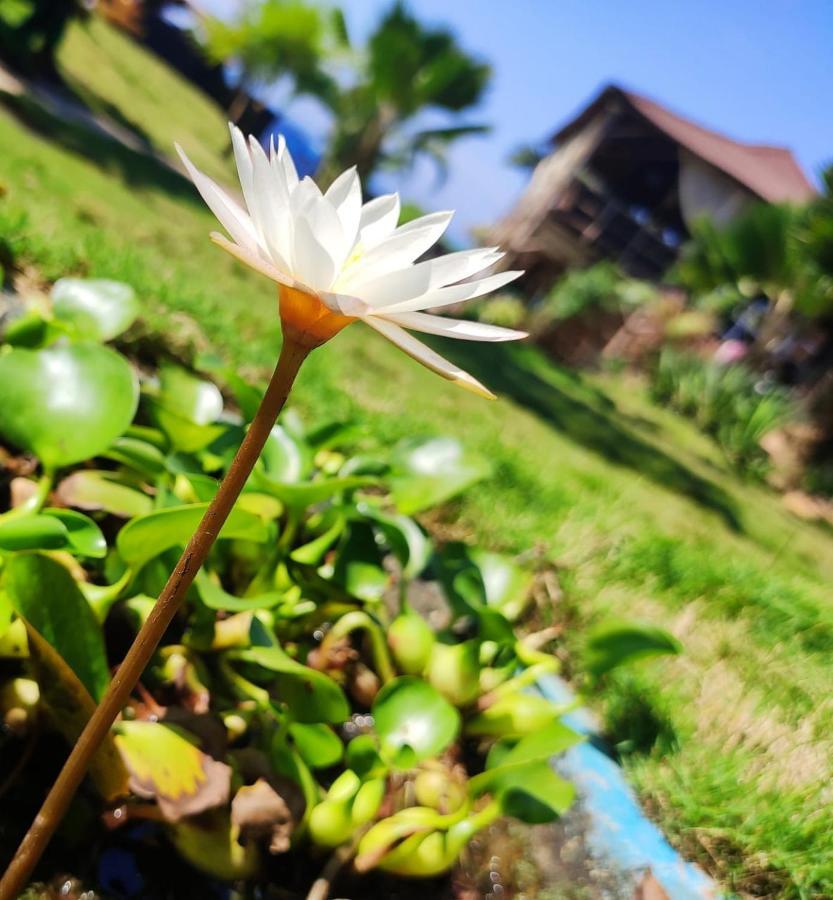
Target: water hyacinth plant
x,y
335,261
300,703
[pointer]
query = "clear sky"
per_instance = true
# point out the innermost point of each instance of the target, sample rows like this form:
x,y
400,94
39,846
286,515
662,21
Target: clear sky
x,y
758,70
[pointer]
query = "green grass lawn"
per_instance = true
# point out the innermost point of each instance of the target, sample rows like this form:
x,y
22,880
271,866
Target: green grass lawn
x,y
730,743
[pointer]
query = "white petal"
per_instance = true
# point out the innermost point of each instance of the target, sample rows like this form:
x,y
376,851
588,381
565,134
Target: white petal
x,y
378,219
244,165
234,219
455,293
452,267
313,264
454,328
418,351
345,193
414,281
438,220
326,226
287,163
270,208
256,262
345,304
304,193
392,254
396,288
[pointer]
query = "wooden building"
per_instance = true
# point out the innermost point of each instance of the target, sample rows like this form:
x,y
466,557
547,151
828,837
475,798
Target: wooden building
x,y
625,180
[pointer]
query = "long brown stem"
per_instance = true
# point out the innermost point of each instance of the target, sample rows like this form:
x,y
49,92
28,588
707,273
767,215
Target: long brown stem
x,y
57,801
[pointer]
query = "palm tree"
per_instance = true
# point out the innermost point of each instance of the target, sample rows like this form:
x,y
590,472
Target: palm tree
x,y
406,69
272,39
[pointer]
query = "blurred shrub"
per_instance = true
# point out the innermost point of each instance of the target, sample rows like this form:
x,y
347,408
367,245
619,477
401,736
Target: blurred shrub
x,y
601,287
731,403
505,310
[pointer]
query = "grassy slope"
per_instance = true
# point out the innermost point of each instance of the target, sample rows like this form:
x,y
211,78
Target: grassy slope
x,y
635,505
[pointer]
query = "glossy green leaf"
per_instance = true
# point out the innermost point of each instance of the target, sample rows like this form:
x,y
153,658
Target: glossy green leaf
x,y
413,721
68,706
318,744
313,552
359,566
214,597
461,579
6,612
310,695
35,532
507,586
362,756
613,644
308,493
139,455
85,537
426,473
407,541
528,791
93,489
333,434
30,329
66,403
544,743
186,408
195,399
285,458
44,594
143,538
95,309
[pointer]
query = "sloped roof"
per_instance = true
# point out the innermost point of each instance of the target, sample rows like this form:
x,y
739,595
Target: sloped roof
x,y
772,173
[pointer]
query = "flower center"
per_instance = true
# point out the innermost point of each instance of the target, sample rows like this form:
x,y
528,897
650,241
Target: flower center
x,y
306,320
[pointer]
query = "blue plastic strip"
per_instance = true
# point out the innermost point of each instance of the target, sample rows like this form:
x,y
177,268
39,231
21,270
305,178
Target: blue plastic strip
x,y
619,833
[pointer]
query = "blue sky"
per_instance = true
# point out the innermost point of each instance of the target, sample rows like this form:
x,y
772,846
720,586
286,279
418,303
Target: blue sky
x,y
759,70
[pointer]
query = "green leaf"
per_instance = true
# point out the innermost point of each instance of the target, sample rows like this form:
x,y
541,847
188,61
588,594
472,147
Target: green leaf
x,y
85,537
93,489
507,586
66,403
147,536
362,756
413,720
30,330
186,408
69,706
195,399
318,744
426,473
37,532
407,541
44,594
529,791
542,744
6,612
308,493
141,456
313,552
358,566
214,597
310,695
96,309
613,644
284,457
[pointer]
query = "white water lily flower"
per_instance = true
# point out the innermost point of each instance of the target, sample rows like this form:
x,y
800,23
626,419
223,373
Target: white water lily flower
x,y
337,260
